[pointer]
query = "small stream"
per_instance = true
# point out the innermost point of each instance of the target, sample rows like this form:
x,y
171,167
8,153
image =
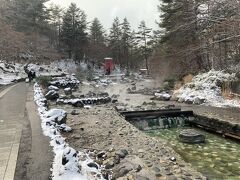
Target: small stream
x,y
218,158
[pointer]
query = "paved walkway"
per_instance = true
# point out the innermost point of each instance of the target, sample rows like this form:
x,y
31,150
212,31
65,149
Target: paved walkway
x,y
25,153
12,116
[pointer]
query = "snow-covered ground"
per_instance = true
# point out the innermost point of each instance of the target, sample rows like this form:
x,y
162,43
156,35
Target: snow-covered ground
x,y
206,88
12,72
68,163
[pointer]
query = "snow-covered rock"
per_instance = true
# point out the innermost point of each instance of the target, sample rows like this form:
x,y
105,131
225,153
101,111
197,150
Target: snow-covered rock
x,y
53,88
68,91
13,72
163,96
65,82
59,116
52,95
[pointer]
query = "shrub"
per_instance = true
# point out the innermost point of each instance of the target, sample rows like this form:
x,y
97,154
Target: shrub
x,y
44,81
169,83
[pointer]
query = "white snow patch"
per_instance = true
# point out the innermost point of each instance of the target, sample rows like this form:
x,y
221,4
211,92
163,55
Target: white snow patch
x,y
163,94
206,88
11,72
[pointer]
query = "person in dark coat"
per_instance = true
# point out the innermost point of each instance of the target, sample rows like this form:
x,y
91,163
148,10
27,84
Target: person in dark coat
x,y
31,75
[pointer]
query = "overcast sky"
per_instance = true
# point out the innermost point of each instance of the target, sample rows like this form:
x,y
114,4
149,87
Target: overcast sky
x,y
107,10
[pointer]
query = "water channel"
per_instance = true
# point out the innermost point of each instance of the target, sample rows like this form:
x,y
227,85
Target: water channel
x,y
218,158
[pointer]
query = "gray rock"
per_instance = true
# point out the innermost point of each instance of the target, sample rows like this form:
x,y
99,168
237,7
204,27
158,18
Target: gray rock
x,y
101,154
173,159
78,104
181,100
92,165
188,101
141,178
124,170
134,88
167,172
74,112
122,153
149,163
156,169
198,101
191,136
109,164
137,167
116,159
158,174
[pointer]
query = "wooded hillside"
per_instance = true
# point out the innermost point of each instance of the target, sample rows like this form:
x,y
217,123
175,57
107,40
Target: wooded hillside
x,y
197,36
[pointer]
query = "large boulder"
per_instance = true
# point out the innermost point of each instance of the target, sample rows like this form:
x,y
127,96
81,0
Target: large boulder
x,y
191,136
52,95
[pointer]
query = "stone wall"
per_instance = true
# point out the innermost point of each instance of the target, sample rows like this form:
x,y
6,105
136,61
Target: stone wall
x,y
218,126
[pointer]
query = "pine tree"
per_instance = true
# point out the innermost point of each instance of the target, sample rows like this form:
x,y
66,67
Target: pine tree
x,y
178,21
115,41
126,37
180,24
73,34
56,13
97,47
145,41
96,32
29,15
134,51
